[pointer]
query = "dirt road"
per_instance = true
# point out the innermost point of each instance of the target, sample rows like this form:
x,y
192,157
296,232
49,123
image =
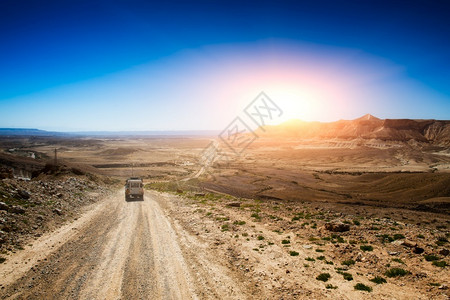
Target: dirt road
x,y
118,250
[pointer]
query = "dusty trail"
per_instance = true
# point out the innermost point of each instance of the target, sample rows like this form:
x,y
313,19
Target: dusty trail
x,y
117,250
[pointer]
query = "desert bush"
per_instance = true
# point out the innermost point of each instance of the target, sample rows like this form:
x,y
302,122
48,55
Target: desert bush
x,y
323,277
362,287
347,276
330,286
430,257
310,259
440,263
366,248
285,242
378,280
348,262
293,253
396,272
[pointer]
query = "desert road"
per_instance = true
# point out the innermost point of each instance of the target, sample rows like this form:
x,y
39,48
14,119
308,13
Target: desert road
x,y
118,250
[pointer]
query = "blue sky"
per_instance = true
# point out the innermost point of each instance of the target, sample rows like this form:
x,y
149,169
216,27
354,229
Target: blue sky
x,y
142,65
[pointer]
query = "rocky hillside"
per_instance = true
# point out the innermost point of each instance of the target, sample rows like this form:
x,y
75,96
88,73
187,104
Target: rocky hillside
x,y
28,208
367,127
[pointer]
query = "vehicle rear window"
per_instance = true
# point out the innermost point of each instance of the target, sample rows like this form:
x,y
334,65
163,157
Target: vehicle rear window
x,y
135,184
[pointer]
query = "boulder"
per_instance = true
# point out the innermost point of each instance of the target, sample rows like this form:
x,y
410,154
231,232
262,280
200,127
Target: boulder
x,y
4,206
24,194
337,227
17,209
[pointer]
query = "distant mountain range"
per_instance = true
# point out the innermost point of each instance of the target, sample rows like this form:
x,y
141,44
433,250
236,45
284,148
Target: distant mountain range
x,y
367,127
43,133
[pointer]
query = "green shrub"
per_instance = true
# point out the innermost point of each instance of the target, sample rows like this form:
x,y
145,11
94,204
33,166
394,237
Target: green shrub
x,y
366,248
348,262
356,222
225,227
362,287
331,287
398,236
431,257
398,260
2,259
260,238
396,272
310,259
323,277
378,280
239,223
321,257
293,253
285,242
320,250
440,263
347,276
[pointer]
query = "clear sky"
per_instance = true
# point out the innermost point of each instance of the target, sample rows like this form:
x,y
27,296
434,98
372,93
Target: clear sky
x,y
193,65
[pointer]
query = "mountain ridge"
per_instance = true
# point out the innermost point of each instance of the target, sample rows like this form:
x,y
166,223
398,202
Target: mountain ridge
x,y
366,127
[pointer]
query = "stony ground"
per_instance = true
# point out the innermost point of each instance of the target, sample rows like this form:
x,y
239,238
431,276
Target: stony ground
x,y
28,208
311,250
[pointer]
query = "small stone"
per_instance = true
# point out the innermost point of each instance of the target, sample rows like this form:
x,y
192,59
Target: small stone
x,y
57,211
443,287
418,250
17,209
307,246
444,252
24,194
409,244
4,206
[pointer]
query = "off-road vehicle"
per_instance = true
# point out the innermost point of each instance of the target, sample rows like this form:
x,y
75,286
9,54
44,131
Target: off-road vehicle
x,y
134,189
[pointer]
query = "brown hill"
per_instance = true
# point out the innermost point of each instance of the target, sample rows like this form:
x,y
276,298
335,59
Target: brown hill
x,y
367,127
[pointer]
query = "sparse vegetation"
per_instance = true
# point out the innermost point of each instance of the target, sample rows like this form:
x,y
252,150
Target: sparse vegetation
x,y
396,272
378,280
362,287
294,253
323,277
331,287
430,257
310,259
348,262
440,263
285,242
366,248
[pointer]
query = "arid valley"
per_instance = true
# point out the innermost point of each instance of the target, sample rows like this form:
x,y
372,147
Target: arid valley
x,y
288,218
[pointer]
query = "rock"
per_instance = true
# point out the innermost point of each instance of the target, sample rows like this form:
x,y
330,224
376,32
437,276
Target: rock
x,y
393,253
421,275
418,250
24,194
17,209
409,244
234,204
4,206
443,287
444,252
307,246
57,211
337,227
